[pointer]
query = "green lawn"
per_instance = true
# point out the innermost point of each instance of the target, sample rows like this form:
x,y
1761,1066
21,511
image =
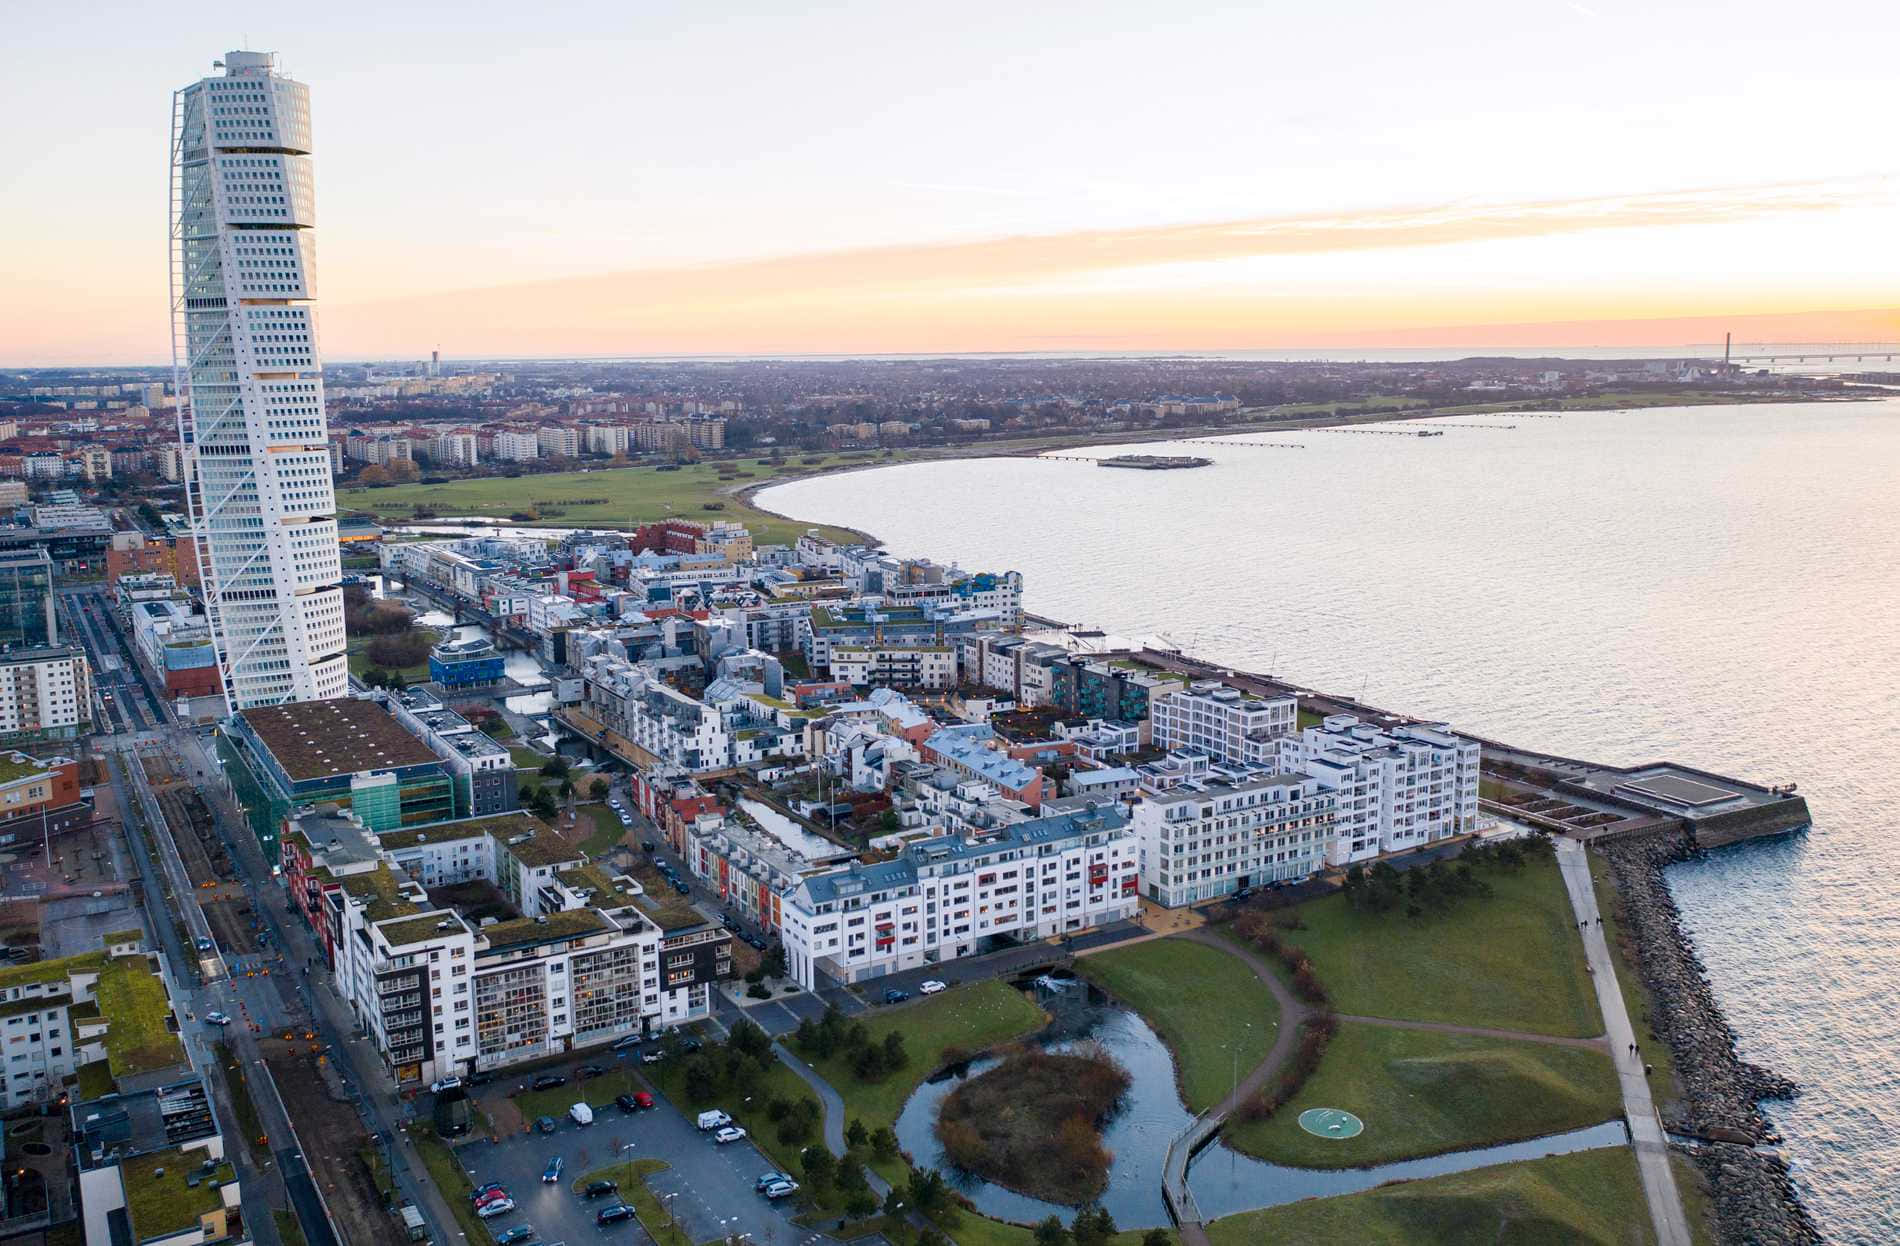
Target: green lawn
x,y
1422,1093
607,829
595,1092
609,496
1514,961
1656,1053
631,1176
527,758
359,662
1588,1198
975,1230
1217,1018
973,1017
452,1182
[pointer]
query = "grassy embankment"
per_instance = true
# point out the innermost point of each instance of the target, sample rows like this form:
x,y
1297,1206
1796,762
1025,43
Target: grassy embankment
x,y
1422,1093
612,496
1588,1198
631,1177
964,1020
1214,1014
451,1181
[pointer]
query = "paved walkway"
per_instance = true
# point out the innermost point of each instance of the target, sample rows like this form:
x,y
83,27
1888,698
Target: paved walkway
x,y
1646,1132
1293,1013
1599,1043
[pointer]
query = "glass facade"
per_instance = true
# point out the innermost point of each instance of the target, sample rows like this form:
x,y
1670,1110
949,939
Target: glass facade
x,y
26,600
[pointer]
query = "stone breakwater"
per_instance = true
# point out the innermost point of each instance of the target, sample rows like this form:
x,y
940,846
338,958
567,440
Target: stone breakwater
x,y
1754,1198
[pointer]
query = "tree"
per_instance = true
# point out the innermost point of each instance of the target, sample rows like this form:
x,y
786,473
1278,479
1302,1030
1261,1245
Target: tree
x,y
1093,1227
702,1082
555,768
884,1142
1051,1233
860,1203
774,964
748,1038
928,1191
856,1136
821,1169
888,823
894,1202
1157,1237
373,475
599,788
895,1057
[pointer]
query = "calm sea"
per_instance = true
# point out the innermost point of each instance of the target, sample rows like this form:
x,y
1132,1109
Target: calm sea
x,y
1714,585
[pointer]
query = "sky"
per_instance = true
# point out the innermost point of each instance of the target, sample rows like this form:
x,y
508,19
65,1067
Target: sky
x,y
631,178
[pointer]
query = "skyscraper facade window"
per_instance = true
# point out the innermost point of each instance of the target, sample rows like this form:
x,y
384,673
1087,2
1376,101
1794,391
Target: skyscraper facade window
x,y
244,351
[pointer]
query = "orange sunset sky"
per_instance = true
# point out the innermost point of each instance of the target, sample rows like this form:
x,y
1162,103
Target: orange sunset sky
x,y
596,179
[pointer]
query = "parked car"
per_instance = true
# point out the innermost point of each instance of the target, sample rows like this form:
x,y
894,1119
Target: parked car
x,y
781,1189
599,1189
653,1056
895,996
546,1124
552,1173
690,1045
713,1119
932,987
772,1177
516,1236
441,1084
481,1190
493,1196
217,1018
644,1101
731,1133
679,885
614,1214
588,1070
549,1081
628,1043
500,1207
581,1114
625,1103
646,846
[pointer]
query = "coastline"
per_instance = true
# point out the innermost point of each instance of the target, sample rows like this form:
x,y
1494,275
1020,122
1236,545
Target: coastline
x,y
1029,448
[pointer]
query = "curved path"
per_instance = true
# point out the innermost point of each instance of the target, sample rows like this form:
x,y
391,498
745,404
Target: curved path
x,y
1294,1013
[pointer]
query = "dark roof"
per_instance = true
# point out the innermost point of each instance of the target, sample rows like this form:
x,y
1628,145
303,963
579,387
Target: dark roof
x,y
317,739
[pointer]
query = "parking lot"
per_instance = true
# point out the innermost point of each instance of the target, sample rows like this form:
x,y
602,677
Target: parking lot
x,y
708,1187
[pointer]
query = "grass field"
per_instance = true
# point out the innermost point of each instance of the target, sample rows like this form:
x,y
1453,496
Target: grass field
x,y
631,1176
1422,1093
1513,962
778,1082
594,1092
1217,1018
607,829
359,660
1588,1198
1662,1062
609,497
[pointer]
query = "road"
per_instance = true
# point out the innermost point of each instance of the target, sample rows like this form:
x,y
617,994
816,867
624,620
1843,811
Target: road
x,y
1646,1131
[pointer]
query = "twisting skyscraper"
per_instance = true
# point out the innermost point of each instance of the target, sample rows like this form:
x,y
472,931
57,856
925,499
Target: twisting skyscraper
x,y
244,350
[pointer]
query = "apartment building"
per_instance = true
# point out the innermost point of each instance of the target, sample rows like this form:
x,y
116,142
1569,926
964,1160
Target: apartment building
x,y
45,694
957,896
483,770
661,722
1228,724
1395,788
607,439
1203,840
966,751
588,957
514,446
559,441
452,449
928,668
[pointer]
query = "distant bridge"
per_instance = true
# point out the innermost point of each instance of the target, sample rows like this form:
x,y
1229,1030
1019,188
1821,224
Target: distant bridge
x,y
1802,352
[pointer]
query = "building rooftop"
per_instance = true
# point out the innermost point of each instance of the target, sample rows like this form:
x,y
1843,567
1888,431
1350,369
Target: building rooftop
x,y
19,766
318,739
571,924
380,890
423,928
137,1010
167,1192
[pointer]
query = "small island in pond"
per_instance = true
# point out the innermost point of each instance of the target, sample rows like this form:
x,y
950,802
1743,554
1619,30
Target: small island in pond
x,y
1033,1123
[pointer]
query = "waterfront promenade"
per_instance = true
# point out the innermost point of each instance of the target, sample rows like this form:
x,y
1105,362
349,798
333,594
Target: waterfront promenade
x,y
1646,1132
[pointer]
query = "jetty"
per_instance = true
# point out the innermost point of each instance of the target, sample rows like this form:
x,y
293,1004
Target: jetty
x,y
1156,462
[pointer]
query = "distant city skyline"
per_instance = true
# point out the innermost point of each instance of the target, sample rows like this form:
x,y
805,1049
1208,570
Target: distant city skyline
x,y
656,180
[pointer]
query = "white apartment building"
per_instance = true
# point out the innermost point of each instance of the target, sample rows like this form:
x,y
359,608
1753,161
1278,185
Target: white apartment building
x,y
559,441
516,447
453,449
675,728
952,897
1225,722
1396,789
244,354
590,959
45,694
931,668
606,438
1200,841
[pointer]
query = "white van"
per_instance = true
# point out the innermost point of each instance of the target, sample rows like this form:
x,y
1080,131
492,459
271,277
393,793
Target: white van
x,y
714,1119
581,1114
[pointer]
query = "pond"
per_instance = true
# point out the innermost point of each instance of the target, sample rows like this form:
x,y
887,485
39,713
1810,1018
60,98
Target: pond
x,y
1152,1115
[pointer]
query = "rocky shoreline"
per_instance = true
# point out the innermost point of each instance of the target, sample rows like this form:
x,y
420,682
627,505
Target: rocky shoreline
x,y
1753,1195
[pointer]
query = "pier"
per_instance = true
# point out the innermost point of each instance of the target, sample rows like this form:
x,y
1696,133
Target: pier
x,y
1155,462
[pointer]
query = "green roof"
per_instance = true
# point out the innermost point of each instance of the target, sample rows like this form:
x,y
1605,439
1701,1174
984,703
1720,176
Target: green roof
x,y
668,909
420,929
380,891
34,1003
161,1206
434,833
19,766
546,848
95,1079
589,878
51,970
569,925
136,1007
123,936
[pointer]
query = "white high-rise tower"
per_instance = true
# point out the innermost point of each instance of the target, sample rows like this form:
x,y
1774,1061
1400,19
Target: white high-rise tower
x,y
244,351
